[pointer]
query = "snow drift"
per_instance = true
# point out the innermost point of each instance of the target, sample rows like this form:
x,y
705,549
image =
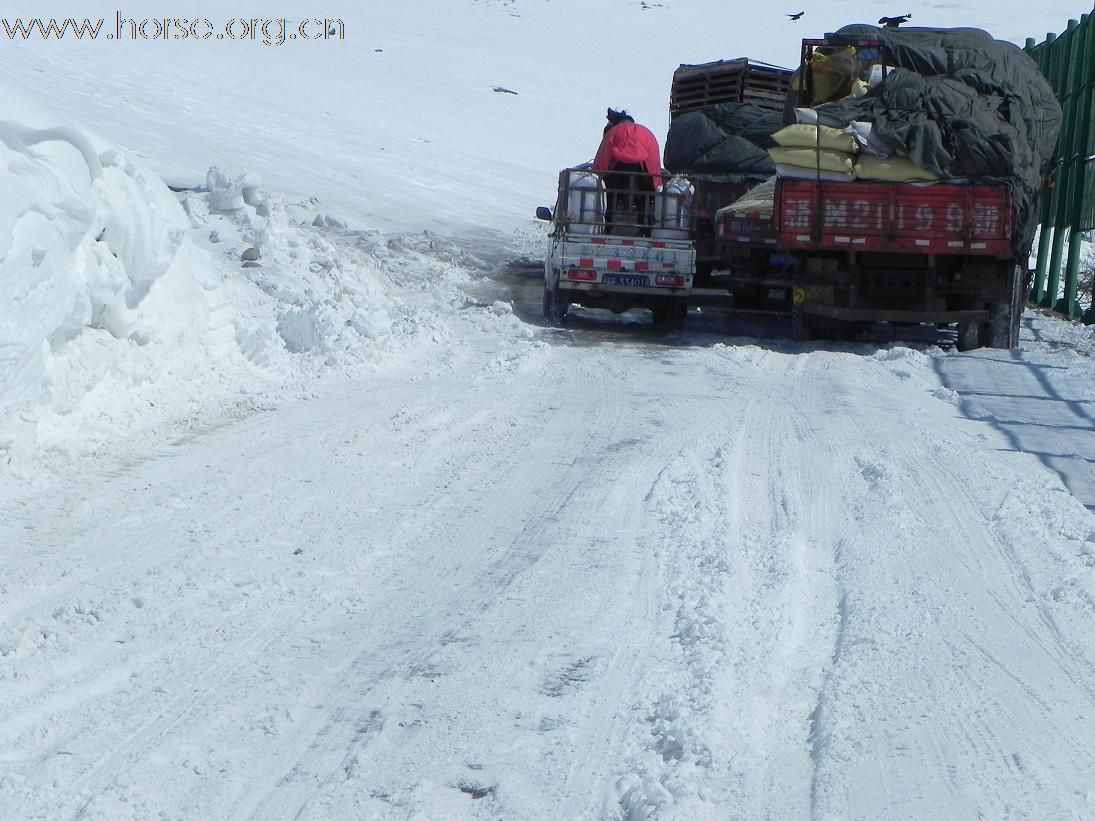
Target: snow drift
x,y
130,307
95,265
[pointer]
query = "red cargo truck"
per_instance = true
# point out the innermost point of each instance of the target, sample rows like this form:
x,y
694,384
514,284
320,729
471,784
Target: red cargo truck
x,y
845,250
867,251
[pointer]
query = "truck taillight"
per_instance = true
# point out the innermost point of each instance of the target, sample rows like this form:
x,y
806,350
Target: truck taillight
x,y
676,280
582,274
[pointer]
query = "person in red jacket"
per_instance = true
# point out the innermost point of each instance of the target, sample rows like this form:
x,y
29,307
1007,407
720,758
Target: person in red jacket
x,y
629,161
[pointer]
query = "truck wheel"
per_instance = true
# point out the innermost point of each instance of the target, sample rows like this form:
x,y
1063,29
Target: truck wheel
x,y
800,331
678,312
555,306
1005,317
999,326
562,305
969,336
670,314
854,330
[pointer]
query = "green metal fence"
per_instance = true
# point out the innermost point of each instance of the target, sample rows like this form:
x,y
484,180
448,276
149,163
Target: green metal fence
x,y
1068,207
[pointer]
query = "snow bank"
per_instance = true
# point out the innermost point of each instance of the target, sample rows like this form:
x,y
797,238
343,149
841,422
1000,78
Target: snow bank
x,y
132,309
85,238
110,309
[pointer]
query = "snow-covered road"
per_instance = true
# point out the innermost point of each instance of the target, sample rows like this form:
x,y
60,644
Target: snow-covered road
x,y
587,581
306,514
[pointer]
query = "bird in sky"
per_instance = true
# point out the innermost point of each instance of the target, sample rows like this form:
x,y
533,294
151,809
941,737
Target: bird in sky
x,y
894,22
796,16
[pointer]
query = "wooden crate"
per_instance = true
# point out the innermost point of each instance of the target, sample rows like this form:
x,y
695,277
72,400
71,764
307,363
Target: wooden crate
x,y
728,81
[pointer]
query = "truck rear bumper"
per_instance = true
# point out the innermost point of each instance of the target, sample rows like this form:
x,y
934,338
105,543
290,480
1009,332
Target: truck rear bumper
x,y
597,288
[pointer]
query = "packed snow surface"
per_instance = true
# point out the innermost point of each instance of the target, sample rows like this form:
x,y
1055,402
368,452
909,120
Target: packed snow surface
x,y
306,514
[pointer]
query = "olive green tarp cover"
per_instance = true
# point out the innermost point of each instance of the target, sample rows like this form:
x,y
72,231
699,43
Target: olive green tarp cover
x,y
960,104
957,103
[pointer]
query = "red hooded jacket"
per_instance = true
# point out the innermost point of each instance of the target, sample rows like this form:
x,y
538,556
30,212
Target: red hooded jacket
x,y
630,143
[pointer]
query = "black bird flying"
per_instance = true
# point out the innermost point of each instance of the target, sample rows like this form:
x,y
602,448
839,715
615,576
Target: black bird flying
x,y
894,22
796,16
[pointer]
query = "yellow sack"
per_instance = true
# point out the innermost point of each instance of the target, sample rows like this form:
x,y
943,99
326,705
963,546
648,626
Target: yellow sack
x,y
825,159
803,135
892,169
832,75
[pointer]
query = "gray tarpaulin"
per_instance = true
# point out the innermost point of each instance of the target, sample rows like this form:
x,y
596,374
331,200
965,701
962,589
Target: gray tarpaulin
x,y
725,140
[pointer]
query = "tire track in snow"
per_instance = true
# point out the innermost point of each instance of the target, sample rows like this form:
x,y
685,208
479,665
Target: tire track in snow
x,y
756,597
921,738
819,737
430,620
749,593
168,714
1020,653
424,640
807,486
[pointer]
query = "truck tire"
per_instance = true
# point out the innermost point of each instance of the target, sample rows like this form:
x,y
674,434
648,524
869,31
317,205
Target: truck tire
x,y
556,306
670,314
1005,317
969,336
678,312
800,330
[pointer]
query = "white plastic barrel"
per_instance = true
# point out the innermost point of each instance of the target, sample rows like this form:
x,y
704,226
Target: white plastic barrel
x,y
673,210
585,203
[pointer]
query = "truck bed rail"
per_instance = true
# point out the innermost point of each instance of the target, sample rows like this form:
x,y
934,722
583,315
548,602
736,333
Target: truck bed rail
x,y
623,204
933,218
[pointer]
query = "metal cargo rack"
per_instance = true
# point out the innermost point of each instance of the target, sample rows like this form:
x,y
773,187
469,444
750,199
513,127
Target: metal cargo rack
x,y
624,204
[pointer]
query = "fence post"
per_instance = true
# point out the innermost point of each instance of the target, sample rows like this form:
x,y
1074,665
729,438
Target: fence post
x,y
1064,70
1046,57
1045,226
1039,267
1079,96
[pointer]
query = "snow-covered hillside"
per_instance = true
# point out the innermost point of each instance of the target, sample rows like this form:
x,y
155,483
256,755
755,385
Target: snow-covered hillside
x,y
305,514
407,123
